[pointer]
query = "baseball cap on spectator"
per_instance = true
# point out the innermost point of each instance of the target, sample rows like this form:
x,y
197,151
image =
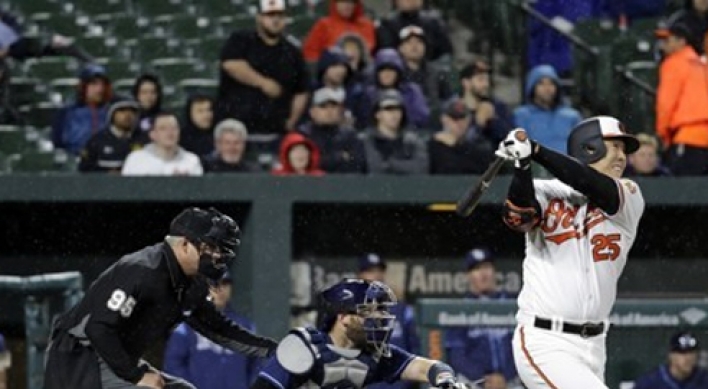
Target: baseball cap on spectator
x,y
370,261
475,68
456,109
411,31
92,71
678,30
683,342
477,256
267,6
329,95
389,98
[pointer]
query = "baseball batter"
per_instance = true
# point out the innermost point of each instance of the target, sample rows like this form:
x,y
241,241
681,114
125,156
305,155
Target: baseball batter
x,y
579,229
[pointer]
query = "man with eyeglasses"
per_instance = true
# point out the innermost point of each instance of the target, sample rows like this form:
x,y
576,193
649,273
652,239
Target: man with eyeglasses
x,y
264,79
135,302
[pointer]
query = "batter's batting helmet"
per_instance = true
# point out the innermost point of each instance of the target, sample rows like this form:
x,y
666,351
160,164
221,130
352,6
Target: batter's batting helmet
x,y
586,139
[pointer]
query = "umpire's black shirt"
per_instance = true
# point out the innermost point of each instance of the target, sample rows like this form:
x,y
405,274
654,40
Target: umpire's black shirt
x,y
140,299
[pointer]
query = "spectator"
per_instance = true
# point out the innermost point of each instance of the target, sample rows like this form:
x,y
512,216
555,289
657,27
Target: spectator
x,y
410,12
389,76
491,117
203,363
545,116
451,151
14,44
263,80
341,150
681,120
359,59
682,369
147,91
405,335
417,69
107,150
694,17
389,148
482,353
197,133
163,156
645,161
75,123
345,17
334,71
5,362
298,156
230,137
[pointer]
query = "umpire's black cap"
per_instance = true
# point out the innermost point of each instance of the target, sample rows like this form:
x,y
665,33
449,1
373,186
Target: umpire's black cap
x,y
683,342
192,223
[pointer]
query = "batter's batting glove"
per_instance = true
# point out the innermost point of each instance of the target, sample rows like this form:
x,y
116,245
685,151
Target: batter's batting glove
x,y
516,147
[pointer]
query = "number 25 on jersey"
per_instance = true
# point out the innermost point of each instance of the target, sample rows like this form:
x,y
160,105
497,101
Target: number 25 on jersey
x,y
605,247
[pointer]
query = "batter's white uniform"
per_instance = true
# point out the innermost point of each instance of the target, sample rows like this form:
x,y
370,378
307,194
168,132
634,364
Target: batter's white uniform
x,y
574,258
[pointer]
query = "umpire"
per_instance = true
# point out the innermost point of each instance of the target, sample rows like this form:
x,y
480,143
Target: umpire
x,y
99,342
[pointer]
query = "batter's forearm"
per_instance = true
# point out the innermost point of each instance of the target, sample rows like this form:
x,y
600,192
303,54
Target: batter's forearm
x,y
599,188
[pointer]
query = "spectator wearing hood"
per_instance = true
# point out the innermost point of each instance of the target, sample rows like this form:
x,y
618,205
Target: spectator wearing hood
x,y
358,55
335,72
491,119
694,16
389,148
411,12
75,123
107,150
230,138
545,116
299,156
345,16
197,135
341,150
163,156
147,91
450,150
389,76
413,45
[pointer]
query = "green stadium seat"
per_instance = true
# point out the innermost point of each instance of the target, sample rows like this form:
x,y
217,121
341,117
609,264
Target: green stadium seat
x,y
49,68
26,91
229,24
300,26
65,24
120,68
40,115
123,86
628,48
103,7
126,26
64,89
174,70
191,86
184,26
152,8
209,48
12,140
223,8
149,48
33,7
33,162
104,47
637,105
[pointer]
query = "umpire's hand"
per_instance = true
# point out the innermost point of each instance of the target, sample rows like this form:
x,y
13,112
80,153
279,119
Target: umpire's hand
x,y
152,380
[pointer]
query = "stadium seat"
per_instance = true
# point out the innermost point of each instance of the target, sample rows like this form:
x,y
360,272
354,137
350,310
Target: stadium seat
x,y
104,7
49,68
123,86
637,105
64,89
191,86
12,140
628,48
40,115
173,70
149,48
65,24
223,8
300,26
152,8
184,26
26,91
126,26
120,68
209,48
33,162
33,7
104,47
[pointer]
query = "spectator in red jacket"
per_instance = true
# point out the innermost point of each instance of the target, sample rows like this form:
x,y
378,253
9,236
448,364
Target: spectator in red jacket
x,y
345,16
298,156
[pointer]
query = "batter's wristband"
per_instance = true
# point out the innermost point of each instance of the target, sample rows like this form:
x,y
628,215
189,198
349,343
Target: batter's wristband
x,y
438,369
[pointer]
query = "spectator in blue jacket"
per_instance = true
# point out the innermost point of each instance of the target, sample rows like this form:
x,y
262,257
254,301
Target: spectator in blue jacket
x,y
5,363
335,71
491,119
405,335
388,74
75,123
482,353
204,363
545,116
682,369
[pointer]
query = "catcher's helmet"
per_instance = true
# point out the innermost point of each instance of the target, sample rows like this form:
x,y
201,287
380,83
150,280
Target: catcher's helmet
x,y
586,139
371,300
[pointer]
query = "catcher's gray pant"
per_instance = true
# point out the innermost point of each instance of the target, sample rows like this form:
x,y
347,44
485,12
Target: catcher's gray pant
x,y
109,380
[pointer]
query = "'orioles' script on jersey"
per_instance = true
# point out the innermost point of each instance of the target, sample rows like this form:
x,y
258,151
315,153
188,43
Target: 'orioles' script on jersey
x,y
577,253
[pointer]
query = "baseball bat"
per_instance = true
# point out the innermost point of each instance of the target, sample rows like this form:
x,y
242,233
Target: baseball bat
x,y
470,200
